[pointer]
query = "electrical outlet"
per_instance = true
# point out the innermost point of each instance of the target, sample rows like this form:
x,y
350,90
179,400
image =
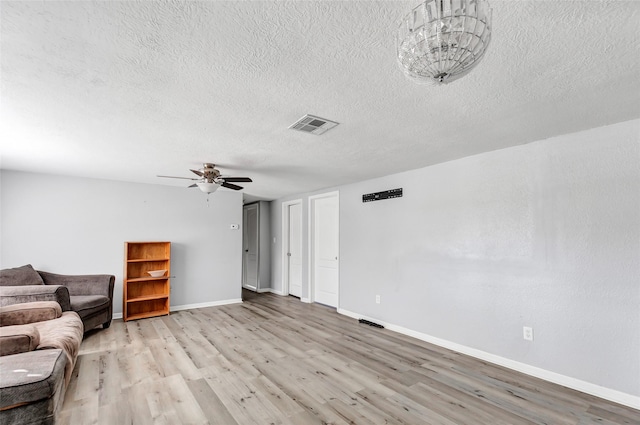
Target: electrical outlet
x,y
527,333
377,299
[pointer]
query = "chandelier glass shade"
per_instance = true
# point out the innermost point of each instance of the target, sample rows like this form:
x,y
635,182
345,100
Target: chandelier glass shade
x,y
207,187
440,41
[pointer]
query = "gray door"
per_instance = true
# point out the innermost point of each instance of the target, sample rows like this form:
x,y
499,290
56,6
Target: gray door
x,y
250,247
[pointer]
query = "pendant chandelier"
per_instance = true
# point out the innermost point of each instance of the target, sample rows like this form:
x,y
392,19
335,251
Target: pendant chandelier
x,y
443,40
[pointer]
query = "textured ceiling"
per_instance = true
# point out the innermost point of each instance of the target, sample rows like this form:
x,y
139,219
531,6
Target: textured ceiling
x,y
129,90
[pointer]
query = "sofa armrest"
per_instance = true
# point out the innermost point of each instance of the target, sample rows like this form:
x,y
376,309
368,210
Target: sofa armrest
x,y
18,339
24,294
89,284
25,313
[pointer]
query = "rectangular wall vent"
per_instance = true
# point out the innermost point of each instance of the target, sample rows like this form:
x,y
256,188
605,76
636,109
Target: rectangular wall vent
x,y
312,124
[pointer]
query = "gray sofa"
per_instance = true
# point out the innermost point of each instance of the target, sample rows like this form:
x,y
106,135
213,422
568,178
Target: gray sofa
x,y
91,296
39,346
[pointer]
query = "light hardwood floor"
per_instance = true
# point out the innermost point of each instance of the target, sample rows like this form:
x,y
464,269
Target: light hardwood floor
x,y
275,360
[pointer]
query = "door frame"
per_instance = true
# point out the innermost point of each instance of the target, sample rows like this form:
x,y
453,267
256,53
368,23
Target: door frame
x,y
244,229
312,240
285,241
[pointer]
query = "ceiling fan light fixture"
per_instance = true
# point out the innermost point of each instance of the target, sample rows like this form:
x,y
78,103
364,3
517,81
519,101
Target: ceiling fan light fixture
x,y
209,179
207,187
441,41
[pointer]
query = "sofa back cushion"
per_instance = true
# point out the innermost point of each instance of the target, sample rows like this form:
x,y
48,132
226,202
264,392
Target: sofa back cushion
x,y
20,276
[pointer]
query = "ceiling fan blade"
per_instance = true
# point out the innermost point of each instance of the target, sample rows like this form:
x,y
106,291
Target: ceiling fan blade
x,y
237,179
193,185
231,186
199,173
174,177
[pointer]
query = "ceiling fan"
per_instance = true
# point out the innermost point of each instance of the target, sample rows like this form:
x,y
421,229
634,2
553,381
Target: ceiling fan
x,y
209,179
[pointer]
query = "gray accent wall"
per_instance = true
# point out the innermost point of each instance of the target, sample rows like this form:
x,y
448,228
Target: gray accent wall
x,y
545,235
77,225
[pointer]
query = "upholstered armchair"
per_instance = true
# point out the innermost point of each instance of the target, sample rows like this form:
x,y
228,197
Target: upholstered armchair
x,y
91,296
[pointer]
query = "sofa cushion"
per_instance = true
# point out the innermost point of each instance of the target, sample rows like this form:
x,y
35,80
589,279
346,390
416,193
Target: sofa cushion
x,y
29,377
20,276
86,305
18,339
25,313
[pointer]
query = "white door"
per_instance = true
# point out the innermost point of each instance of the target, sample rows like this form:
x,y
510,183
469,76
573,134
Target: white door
x,y
250,247
325,250
294,249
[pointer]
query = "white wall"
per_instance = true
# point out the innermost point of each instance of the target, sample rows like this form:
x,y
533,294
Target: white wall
x,y
76,225
545,235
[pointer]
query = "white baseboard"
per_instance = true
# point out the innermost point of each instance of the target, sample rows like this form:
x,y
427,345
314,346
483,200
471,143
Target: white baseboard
x,y
192,306
282,293
273,291
556,378
207,304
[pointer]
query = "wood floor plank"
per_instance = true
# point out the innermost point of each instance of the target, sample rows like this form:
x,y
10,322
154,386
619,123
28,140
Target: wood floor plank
x,y
397,411
88,382
135,397
177,401
63,417
160,324
285,404
276,360
109,379
501,397
86,410
612,413
137,366
173,360
119,413
462,412
349,413
473,409
242,399
210,404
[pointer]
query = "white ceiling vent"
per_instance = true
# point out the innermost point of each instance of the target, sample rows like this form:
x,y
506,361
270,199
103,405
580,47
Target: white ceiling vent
x,y
312,124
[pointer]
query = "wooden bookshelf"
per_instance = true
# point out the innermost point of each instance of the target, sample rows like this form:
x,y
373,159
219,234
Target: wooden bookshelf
x,y
143,295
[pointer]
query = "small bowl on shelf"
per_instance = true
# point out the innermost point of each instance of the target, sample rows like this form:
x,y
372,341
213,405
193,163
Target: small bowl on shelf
x,y
157,273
